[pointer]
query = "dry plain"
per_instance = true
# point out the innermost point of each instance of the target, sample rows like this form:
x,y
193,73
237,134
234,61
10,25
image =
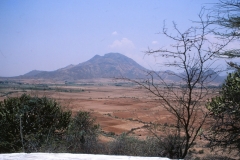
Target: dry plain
x,y
117,106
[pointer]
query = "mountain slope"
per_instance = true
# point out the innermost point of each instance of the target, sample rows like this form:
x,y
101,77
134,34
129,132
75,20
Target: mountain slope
x,y
32,73
108,66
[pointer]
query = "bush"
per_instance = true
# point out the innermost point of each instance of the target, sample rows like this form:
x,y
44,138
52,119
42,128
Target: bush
x,y
126,145
201,151
28,123
225,111
82,134
171,146
132,146
153,147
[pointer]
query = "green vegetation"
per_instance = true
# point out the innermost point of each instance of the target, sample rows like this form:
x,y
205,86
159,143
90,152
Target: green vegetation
x,y
32,124
9,87
225,110
82,133
29,122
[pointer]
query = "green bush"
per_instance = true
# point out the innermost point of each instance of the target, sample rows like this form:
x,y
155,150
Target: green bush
x,y
28,123
126,145
151,147
82,134
225,111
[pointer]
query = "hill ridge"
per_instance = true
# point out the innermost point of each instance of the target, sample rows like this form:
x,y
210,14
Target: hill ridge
x,y
108,66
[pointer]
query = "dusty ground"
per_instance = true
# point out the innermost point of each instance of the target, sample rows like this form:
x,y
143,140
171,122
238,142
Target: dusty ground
x,y
117,107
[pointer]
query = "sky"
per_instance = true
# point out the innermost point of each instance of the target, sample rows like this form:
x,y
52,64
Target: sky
x,y
48,35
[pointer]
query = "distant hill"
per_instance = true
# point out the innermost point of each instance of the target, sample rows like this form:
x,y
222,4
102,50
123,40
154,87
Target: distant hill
x,y
208,76
32,73
108,66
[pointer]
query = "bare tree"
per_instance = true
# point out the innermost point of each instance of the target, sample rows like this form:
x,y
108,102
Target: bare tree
x,y
192,54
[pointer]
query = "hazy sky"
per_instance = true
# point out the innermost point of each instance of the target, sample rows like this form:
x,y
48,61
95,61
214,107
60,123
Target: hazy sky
x,y
51,34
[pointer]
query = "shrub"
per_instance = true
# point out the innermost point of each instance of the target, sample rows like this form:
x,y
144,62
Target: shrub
x,y
28,123
225,111
171,146
126,145
201,151
82,134
151,147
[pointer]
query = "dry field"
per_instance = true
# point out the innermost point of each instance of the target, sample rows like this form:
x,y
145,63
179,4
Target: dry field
x,y
117,106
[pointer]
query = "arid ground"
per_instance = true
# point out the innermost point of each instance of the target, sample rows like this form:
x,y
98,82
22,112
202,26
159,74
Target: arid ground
x,y
118,107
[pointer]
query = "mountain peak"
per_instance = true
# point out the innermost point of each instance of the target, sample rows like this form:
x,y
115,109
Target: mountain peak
x,y
108,66
110,55
114,55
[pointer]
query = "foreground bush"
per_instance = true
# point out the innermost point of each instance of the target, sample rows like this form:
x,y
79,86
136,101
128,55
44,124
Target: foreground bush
x,y
82,134
225,111
27,123
126,145
32,124
132,146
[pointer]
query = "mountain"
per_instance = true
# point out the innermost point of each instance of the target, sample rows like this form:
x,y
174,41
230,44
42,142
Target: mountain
x,y
207,75
32,73
108,66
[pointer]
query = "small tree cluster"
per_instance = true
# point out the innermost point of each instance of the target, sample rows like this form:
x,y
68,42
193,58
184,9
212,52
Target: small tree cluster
x,y
31,124
82,134
152,146
225,110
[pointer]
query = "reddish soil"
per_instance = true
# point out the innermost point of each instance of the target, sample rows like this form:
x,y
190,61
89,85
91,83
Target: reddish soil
x,y
117,109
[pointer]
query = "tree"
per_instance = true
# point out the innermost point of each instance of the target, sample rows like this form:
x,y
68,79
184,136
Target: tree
x,y
82,134
225,110
226,14
191,54
27,123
